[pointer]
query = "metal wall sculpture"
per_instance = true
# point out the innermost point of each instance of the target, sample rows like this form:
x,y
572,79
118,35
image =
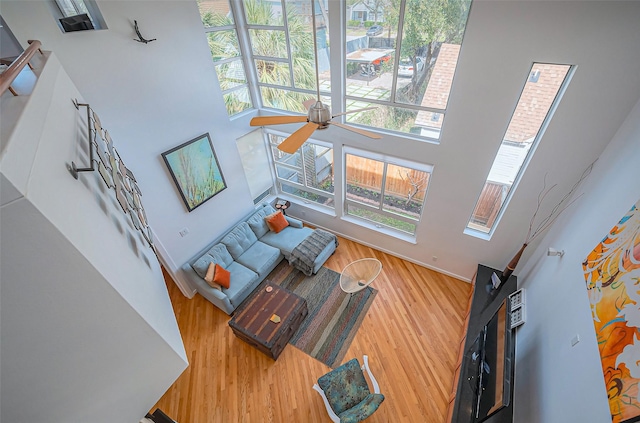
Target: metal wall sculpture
x,y
113,172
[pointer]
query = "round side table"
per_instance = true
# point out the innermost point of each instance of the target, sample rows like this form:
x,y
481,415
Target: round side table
x,y
282,205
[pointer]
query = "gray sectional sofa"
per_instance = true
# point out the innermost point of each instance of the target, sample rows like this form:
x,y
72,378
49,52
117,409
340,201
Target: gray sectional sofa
x,y
249,251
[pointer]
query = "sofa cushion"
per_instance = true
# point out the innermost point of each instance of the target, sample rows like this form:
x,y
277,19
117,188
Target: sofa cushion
x,y
257,223
239,239
243,281
260,257
287,239
276,222
216,254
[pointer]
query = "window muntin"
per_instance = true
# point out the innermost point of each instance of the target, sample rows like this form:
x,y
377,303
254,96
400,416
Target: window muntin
x,y
219,25
378,70
307,174
538,100
385,191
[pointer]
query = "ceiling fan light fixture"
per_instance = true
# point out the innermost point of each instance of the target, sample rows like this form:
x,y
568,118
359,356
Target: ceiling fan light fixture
x,y
320,114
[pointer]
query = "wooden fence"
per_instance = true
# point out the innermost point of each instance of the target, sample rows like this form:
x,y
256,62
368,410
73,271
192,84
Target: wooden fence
x,y
367,173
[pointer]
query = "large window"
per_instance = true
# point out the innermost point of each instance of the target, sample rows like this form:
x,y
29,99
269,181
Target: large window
x,y
220,28
307,174
404,63
387,192
539,98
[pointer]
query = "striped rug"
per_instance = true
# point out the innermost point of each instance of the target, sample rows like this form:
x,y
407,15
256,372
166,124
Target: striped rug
x,y
333,319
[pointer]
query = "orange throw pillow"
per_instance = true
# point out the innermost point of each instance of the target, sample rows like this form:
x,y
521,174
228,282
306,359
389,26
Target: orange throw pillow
x,y
222,276
209,277
276,222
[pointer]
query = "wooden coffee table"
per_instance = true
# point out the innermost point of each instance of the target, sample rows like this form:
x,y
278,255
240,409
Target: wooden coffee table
x,y
252,320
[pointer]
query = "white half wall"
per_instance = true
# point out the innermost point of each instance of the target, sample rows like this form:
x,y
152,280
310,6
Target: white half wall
x,y
556,382
88,330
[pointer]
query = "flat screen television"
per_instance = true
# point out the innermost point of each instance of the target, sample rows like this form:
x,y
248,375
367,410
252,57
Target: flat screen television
x,y
489,366
76,23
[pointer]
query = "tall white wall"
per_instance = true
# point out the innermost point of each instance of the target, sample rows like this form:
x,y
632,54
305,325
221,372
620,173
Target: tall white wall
x,y
153,97
556,382
88,330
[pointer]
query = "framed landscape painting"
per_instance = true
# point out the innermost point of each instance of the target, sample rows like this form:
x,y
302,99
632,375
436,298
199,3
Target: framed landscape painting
x,y
195,170
612,274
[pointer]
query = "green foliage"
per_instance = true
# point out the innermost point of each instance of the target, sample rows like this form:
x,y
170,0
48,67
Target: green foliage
x,y
353,23
368,24
270,43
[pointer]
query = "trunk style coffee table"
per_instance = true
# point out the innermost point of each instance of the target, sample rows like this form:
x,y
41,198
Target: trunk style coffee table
x,y
255,320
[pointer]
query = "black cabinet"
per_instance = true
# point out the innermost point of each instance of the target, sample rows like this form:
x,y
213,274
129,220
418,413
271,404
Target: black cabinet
x,y
484,304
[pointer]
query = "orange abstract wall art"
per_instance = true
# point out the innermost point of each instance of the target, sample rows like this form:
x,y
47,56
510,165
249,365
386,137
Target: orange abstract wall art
x,y
612,274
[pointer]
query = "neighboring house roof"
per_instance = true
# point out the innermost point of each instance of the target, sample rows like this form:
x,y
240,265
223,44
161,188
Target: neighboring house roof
x,y
437,93
531,110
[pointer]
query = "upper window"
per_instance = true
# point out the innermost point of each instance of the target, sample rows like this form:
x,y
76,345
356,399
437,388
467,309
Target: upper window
x,y
387,192
307,174
281,40
222,34
544,86
403,60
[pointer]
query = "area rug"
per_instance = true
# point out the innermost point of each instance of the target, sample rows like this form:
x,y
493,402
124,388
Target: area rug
x,y
333,319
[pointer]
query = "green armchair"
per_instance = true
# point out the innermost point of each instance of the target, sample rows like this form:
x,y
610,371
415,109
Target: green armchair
x,y
346,394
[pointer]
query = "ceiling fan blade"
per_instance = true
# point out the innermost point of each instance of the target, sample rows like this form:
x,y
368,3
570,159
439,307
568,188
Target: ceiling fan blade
x,y
295,140
358,130
354,111
276,120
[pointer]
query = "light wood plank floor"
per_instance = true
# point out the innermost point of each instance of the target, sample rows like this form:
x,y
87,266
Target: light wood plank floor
x,y
411,334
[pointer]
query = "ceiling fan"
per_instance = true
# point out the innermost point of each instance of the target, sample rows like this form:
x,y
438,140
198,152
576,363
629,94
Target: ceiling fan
x,y
318,117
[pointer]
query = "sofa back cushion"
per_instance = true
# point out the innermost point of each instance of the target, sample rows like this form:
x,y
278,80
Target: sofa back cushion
x,y
257,222
216,254
239,239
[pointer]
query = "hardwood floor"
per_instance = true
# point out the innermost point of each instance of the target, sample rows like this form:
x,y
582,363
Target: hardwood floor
x,y
411,334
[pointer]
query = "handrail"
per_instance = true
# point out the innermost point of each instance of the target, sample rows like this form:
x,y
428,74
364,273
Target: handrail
x,y
9,75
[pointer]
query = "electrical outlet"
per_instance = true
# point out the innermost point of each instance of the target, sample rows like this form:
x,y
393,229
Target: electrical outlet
x,y
184,232
517,317
517,298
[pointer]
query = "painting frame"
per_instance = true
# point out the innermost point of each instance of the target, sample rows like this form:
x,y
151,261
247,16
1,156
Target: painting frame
x,y
195,170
